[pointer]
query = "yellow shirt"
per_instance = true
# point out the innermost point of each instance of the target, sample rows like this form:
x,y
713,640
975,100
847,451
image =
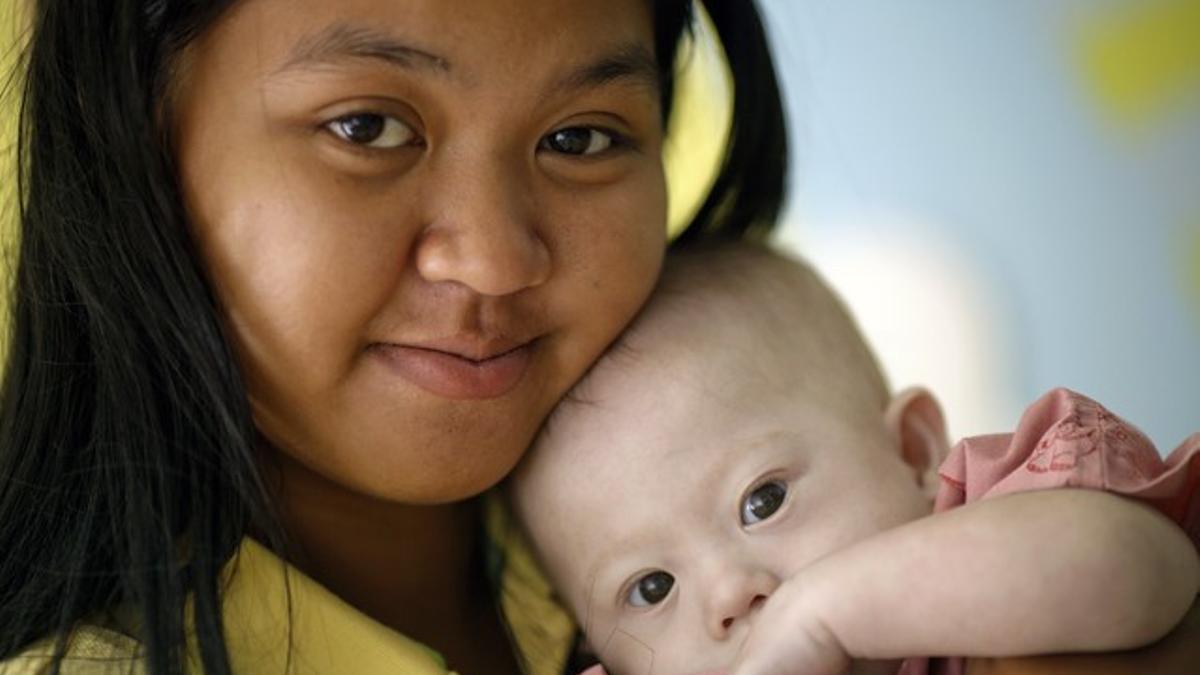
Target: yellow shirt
x,y
328,635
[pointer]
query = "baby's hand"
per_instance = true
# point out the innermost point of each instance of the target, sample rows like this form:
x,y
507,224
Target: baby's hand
x,y
790,637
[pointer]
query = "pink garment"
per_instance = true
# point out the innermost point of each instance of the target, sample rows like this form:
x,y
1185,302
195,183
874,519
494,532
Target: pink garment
x,y
1066,440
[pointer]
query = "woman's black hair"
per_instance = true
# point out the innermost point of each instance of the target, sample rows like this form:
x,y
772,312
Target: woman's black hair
x,y
128,473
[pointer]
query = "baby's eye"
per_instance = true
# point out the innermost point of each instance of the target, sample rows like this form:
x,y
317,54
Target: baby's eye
x,y
372,130
763,502
651,589
579,141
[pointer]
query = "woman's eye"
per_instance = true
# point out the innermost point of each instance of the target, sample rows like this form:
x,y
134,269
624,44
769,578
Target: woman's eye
x,y
763,502
579,141
372,130
651,589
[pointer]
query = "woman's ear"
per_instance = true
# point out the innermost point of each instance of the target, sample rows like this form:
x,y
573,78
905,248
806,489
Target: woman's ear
x,y
914,419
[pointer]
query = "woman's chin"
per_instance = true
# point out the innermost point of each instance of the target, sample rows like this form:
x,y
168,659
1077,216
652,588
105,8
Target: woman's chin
x,y
438,478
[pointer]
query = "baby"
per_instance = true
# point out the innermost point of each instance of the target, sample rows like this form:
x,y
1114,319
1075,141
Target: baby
x,y
734,488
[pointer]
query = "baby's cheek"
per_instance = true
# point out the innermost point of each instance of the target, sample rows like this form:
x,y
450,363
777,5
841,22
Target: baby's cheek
x,y
892,515
632,644
677,649
625,654
828,536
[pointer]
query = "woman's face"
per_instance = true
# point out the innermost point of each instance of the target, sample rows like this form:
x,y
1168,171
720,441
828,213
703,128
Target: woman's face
x,y
424,220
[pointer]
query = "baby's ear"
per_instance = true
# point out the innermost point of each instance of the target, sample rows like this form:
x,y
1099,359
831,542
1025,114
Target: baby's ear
x,y
914,418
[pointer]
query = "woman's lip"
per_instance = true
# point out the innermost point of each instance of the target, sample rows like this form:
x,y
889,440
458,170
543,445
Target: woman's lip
x,y
452,375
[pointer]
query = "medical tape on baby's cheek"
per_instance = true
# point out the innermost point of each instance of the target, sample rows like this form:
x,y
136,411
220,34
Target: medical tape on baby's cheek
x,y
639,654
608,640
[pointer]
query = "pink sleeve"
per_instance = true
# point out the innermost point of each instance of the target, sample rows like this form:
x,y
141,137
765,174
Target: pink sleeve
x,y
1068,440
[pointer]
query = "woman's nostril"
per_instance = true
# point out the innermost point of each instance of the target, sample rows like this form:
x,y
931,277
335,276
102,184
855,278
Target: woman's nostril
x,y
757,601
727,623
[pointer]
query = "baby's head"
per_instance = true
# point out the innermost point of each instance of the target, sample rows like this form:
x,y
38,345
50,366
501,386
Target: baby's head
x,y
739,430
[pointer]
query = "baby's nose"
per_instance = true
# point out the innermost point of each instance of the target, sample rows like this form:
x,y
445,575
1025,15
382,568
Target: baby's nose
x,y
735,596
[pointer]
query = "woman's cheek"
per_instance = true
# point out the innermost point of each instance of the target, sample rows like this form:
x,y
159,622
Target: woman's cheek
x,y
298,273
610,255
619,236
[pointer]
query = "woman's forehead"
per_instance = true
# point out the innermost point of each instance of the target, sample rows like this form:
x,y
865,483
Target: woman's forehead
x,y
460,36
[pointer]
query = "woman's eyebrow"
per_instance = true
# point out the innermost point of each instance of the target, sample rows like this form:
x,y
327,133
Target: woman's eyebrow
x,y
340,42
630,62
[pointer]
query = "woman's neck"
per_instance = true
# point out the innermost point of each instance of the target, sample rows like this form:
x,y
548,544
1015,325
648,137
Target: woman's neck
x,y
416,569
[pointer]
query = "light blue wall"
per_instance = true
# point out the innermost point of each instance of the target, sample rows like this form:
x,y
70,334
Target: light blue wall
x,y
975,125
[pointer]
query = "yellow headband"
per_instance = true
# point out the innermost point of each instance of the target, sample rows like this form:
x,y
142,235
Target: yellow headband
x,y
700,124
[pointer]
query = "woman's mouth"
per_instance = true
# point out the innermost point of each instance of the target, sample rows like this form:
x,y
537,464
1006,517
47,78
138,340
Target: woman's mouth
x,y
451,371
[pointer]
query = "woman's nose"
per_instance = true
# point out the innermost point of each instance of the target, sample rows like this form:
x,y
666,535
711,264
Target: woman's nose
x,y
482,232
734,596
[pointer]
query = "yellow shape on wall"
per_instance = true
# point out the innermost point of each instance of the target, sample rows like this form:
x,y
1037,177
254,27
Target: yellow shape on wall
x,y
700,124
1144,58
9,88
11,22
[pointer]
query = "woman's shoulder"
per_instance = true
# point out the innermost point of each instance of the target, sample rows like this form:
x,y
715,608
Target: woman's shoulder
x,y
93,650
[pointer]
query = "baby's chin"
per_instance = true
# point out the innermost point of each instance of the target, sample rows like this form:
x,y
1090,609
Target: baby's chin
x,y
644,663
874,668
656,670
856,668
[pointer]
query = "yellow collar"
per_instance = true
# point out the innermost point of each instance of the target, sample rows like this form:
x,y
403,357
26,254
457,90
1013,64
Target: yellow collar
x,y
329,636
326,634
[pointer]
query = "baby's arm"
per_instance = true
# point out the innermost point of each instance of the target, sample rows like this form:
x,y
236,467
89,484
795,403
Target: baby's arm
x,y
1037,572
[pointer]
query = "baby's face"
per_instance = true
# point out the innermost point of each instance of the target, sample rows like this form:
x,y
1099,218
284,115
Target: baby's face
x,y
672,501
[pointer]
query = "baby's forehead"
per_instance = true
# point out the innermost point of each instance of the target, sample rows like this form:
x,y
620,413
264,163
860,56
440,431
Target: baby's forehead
x,y
676,383
637,405
670,447
683,347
